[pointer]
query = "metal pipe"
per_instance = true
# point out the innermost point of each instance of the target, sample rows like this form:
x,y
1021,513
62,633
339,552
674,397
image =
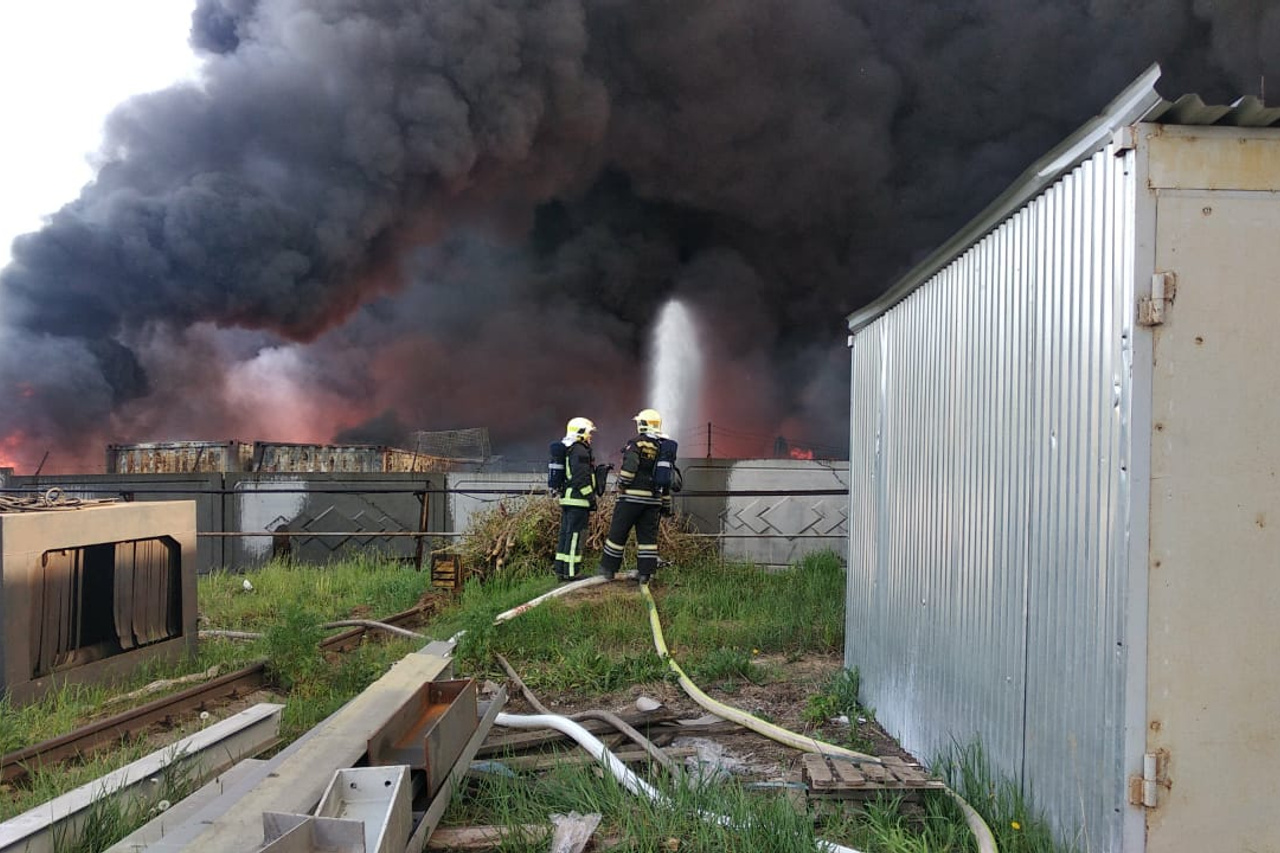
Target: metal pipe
x,y
341,623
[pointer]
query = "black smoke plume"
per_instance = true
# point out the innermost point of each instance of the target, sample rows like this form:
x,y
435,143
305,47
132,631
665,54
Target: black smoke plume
x,y
373,213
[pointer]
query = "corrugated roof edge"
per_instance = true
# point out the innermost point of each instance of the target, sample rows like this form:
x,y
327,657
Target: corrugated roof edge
x,y
1138,101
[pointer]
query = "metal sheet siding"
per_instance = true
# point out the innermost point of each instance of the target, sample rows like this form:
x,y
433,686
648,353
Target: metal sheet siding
x,y
987,549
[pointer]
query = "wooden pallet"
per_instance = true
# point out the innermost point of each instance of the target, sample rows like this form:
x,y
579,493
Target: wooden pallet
x,y
447,571
839,778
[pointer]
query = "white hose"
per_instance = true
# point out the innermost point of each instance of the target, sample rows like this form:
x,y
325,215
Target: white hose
x,y
563,589
587,741
629,780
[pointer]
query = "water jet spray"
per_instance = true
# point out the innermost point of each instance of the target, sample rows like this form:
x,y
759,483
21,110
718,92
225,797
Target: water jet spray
x,y
675,370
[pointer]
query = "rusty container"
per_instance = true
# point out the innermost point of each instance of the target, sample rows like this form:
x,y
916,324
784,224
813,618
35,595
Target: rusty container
x,y
286,458
179,457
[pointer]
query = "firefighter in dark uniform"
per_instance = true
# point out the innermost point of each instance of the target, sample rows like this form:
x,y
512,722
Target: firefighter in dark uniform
x,y
644,495
578,498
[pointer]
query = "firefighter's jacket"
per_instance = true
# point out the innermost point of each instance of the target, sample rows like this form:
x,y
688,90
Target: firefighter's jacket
x,y
635,480
580,487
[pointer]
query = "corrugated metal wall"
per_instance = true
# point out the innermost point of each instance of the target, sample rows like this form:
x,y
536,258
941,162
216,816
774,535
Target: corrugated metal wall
x,y
988,497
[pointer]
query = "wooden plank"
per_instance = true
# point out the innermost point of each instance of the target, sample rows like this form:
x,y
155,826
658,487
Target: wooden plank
x,y
847,772
817,772
484,837
875,773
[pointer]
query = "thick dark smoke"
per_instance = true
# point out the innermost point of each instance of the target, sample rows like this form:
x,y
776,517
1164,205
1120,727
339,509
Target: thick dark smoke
x,y
374,216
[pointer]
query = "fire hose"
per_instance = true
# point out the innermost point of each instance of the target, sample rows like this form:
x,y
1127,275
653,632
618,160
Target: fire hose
x,y
981,832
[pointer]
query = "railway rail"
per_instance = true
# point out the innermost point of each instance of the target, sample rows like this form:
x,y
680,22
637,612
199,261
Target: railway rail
x,y
133,723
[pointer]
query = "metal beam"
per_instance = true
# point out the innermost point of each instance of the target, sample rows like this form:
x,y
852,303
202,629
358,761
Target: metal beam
x,y
200,756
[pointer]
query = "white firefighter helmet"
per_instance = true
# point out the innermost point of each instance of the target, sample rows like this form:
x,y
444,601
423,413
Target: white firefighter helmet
x,y
649,422
581,428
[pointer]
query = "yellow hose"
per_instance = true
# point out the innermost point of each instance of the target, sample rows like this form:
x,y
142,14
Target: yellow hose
x,y
742,718
981,832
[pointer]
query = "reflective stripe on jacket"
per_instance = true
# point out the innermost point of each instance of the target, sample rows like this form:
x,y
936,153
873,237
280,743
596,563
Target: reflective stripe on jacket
x,y
580,489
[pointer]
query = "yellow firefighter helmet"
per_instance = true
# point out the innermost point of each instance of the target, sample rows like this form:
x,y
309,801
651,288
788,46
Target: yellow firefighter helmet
x,y
648,421
581,428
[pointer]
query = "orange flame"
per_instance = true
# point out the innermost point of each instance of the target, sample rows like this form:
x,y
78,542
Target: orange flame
x,y
800,453
9,445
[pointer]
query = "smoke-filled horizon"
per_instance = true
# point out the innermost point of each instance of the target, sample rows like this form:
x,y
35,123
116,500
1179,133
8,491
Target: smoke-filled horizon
x,y
369,217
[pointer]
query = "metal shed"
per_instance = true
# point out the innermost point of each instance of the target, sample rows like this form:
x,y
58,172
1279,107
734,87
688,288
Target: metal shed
x,y
1065,483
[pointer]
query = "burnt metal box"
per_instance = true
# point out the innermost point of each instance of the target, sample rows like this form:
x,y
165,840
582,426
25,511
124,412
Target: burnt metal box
x,y
89,593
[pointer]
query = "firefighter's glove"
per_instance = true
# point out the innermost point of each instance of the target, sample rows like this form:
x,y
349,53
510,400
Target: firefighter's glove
x,y
666,506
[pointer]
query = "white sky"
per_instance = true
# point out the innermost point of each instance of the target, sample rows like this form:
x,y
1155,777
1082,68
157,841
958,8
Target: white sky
x,y
63,65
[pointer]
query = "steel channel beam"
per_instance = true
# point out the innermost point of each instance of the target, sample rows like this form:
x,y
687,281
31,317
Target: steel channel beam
x,y
57,823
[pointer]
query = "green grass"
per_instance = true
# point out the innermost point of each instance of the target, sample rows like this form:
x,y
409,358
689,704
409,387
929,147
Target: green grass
x,y
886,826
693,816
109,818
1017,826
56,713
715,606
717,617
357,588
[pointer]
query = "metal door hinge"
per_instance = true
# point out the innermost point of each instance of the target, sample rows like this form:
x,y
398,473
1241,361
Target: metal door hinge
x,y
1144,790
1152,309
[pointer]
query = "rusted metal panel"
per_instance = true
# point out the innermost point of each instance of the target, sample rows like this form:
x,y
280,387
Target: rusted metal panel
x,y
179,457
284,458
396,461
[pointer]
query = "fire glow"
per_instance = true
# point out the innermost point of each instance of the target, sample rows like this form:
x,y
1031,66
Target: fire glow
x,y
9,446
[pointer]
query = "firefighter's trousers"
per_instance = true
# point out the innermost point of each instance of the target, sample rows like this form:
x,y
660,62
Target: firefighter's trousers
x,y
644,518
